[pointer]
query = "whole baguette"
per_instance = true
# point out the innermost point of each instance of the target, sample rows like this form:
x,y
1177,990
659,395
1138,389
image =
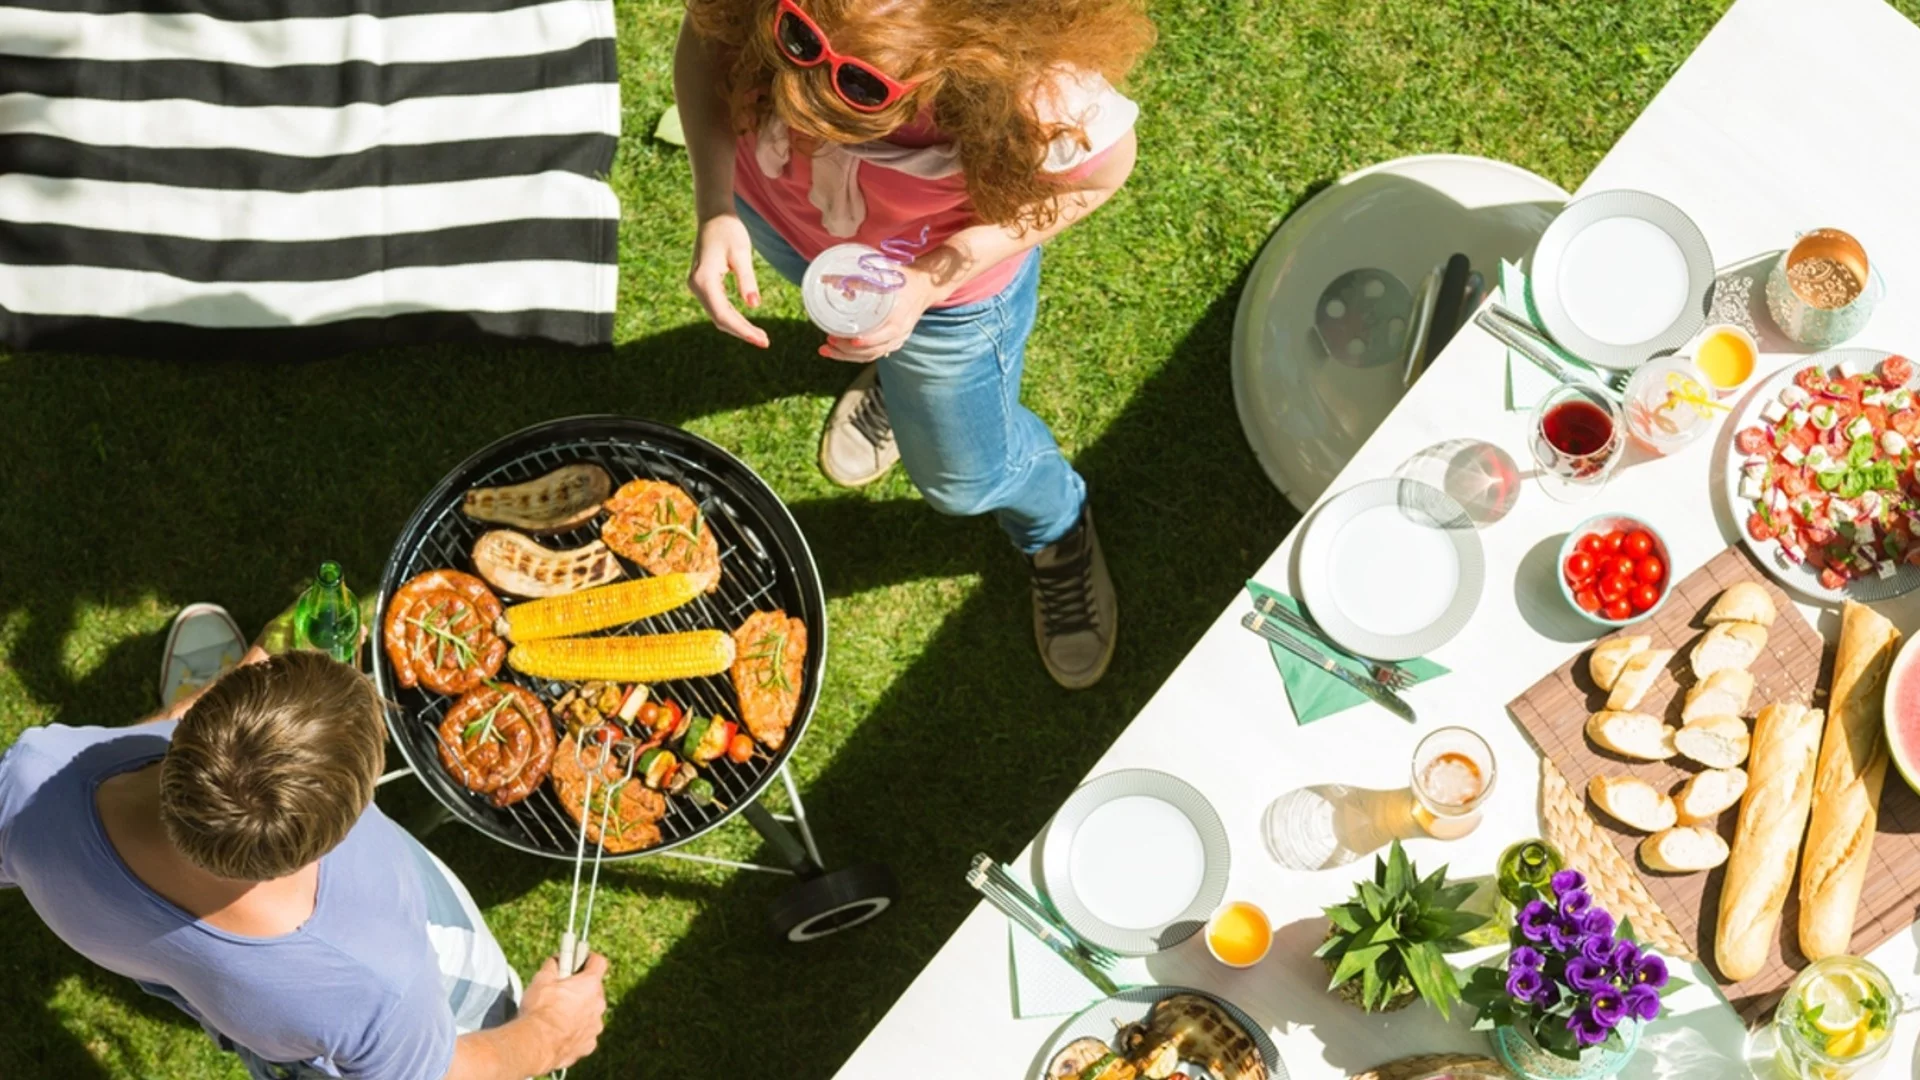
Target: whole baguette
x,y
1846,786
1766,843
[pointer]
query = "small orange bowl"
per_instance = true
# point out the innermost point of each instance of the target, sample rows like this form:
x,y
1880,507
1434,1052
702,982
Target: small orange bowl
x,y
1239,934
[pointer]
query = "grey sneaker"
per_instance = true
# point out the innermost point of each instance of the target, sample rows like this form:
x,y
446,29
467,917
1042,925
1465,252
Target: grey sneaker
x,y
1075,611
203,644
857,447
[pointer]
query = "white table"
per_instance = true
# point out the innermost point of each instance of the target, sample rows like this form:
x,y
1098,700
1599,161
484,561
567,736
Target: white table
x,y
1737,140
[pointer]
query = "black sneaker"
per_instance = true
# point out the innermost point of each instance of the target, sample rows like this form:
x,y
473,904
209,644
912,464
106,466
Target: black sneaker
x,y
1075,611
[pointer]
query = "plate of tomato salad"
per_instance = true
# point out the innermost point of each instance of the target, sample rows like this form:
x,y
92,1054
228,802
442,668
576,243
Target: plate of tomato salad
x,y
1822,476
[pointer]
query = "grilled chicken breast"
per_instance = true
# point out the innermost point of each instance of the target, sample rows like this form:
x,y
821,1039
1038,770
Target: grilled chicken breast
x,y
770,652
660,527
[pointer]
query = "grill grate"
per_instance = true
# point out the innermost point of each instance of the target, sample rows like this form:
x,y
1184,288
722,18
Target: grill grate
x,y
764,562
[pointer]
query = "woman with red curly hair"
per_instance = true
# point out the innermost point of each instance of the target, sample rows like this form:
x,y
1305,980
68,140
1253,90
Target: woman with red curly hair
x,y
977,128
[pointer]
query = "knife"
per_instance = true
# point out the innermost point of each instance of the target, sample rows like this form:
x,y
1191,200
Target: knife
x,y
977,877
1381,696
1272,609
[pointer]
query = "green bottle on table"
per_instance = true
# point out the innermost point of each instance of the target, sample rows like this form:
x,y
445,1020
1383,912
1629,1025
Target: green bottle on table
x,y
327,616
1527,863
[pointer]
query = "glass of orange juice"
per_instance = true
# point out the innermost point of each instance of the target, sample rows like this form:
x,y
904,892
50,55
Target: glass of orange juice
x,y
1239,934
1726,355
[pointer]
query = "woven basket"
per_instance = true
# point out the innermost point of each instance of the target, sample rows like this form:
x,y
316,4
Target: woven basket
x,y
1461,1066
1610,878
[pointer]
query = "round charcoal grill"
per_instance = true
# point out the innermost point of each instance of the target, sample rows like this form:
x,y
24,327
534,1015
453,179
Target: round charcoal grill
x,y
765,564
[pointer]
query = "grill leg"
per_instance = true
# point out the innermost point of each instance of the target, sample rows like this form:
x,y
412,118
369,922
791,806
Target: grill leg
x,y
791,851
800,815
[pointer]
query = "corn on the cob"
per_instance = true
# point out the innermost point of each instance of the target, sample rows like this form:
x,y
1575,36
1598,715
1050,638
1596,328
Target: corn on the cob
x,y
599,608
654,658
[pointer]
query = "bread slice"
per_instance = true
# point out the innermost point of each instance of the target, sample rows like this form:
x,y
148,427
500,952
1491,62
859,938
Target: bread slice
x,y
1685,849
1745,602
1633,802
1636,678
1728,646
1724,693
1632,734
1610,656
1709,794
1718,742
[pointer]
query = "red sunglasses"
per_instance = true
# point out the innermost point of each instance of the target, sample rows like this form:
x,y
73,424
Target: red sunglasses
x,y
862,86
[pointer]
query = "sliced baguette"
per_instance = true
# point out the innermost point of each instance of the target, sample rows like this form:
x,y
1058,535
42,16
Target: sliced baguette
x,y
1636,678
1727,647
1724,693
1610,656
1633,802
1707,795
1632,734
1686,849
1718,742
1742,602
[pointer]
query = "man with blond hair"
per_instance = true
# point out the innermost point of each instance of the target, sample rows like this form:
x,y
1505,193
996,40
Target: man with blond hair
x,y
233,863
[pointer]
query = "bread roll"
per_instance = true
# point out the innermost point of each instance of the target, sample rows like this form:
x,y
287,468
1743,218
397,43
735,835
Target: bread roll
x,y
1708,794
1636,678
1846,788
1718,742
1687,849
1743,602
1724,693
1610,656
1766,843
1633,802
1631,734
1728,646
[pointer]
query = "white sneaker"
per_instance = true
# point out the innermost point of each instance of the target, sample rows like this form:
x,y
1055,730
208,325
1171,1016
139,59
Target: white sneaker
x,y
203,644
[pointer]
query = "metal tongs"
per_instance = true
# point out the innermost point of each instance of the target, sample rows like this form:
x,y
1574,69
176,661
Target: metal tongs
x,y
574,949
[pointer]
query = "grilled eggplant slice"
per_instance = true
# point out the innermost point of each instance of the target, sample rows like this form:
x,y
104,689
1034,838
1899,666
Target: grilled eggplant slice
x,y
517,564
565,498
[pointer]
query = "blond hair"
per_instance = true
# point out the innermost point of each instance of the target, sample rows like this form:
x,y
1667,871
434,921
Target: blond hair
x,y
272,767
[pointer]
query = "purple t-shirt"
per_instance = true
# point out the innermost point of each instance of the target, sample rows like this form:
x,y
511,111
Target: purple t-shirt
x,y
355,991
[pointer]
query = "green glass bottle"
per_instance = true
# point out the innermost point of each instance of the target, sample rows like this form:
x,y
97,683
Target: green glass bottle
x,y
327,617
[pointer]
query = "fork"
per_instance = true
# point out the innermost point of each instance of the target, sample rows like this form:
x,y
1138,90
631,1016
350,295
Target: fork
x,y
1094,969
1388,674
1012,886
1524,338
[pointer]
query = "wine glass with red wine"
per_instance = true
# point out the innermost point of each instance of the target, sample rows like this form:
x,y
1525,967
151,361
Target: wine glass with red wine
x,y
1577,440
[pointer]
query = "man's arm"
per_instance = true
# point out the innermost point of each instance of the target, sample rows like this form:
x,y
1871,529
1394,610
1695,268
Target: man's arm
x,y
559,1023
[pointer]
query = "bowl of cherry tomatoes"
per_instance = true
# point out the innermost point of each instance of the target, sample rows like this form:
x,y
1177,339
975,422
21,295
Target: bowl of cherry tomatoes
x,y
1613,569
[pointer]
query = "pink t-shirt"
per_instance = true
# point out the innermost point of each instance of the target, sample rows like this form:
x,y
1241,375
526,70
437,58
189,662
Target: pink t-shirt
x,y
908,181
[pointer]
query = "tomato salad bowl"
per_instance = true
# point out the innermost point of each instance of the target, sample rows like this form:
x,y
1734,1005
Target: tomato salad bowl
x,y
1613,569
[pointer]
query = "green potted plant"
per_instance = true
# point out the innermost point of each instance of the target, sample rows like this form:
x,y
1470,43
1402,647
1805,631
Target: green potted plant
x,y
1388,943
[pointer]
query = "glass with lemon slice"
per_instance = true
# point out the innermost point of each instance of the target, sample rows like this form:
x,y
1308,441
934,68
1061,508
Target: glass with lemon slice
x,y
1834,1021
1669,404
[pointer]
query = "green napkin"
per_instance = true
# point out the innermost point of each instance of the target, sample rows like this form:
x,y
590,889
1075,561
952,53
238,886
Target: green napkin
x,y
1313,693
1527,384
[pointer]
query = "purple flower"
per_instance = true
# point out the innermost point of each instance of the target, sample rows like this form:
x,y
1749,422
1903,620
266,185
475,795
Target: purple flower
x,y
1534,919
1650,970
1597,923
1643,1002
1523,984
1609,1007
1549,995
1566,881
1525,958
1599,950
1574,904
1563,935
1625,955
1587,1028
1586,976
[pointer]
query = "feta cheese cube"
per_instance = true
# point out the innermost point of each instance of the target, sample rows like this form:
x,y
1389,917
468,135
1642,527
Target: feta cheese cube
x,y
1773,412
1846,369
1860,428
1793,395
1840,510
1900,399
1863,532
1893,443
1874,397
1779,503
1756,469
1888,569
1792,455
1750,487
1798,416
1804,506
1870,504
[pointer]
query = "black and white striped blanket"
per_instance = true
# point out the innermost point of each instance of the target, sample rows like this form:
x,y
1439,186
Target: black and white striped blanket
x,y
277,177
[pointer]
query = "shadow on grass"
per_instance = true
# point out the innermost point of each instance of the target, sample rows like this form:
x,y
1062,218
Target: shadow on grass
x,y
176,482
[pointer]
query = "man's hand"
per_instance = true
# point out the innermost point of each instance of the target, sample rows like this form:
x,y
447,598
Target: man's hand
x,y
911,301
569,1010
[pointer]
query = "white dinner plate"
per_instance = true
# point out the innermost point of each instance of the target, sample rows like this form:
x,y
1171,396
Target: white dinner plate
x,y
1620,277
1801,577
1103,1020
1135,861
1391,569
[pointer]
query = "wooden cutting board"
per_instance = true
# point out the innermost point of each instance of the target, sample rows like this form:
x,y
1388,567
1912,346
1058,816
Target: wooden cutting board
x,y
1796,666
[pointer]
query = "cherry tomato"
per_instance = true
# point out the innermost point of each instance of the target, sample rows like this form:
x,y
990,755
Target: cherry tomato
x,y
1639,544
604,734
1896,370
1579,567
740,749
1832,579
1650,570
1593,544
1587,599
1758,528
1617,610
1617,566
649,716
1614,588
1614,541
1643,597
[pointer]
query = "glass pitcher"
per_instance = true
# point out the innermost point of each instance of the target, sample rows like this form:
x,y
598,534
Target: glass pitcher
x,y
1823,290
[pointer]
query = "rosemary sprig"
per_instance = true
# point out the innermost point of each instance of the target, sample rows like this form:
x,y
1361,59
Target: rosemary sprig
x,y
772,647
483,728
445,637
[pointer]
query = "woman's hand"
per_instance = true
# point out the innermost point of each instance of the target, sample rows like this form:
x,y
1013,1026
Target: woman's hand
x,y
724,247
909,303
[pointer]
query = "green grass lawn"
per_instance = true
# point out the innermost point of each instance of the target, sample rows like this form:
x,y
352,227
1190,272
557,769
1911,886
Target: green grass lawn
x,y
938,734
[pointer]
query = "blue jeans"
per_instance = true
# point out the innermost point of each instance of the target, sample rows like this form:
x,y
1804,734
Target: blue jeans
x,y
953,397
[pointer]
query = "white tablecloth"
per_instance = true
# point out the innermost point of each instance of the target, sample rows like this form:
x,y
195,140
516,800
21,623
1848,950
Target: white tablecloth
x,y
1792,114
